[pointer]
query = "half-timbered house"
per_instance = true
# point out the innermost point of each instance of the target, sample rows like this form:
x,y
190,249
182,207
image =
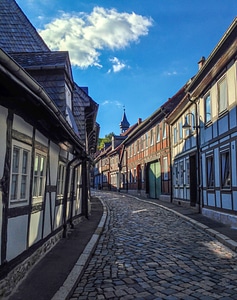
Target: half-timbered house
x,y
48,132
214,92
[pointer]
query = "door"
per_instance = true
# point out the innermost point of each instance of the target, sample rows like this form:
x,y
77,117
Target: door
x,y
154,178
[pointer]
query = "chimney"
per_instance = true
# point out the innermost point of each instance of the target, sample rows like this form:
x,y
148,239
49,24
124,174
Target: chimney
x,y
201,62
139,121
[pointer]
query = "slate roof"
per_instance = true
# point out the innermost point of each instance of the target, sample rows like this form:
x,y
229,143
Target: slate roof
x,y
32,60
124,124
17,33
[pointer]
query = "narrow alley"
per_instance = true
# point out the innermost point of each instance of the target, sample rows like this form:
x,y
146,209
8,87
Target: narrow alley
x,y
148,252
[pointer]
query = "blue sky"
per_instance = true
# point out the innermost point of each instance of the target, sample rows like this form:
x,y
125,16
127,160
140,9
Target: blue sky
x,y
134,54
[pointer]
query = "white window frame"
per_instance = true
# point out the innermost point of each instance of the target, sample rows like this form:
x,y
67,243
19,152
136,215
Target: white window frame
x,y
222,95
175,135
207,108
39,176
152,138
164,131
158,133
61,177
19,176
180,130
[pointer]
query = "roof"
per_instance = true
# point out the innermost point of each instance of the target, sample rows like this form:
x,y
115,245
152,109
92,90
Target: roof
x,y
17,33
51,70
32,60
21,92
124,124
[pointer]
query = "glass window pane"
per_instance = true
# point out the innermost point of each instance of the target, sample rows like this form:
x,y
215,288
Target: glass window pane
x,y
15,160
14,187
23,187
36,164
222,96
208,108
24,162
42,160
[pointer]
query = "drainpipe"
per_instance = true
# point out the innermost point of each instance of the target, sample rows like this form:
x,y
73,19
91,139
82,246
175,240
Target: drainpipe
x,y
197,129
171,164
84,189
72,195
65,194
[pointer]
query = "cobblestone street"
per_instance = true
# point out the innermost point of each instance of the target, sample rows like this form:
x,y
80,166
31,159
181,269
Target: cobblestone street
x,y
148,252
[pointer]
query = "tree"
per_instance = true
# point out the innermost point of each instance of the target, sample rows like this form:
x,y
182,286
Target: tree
x,y
106,139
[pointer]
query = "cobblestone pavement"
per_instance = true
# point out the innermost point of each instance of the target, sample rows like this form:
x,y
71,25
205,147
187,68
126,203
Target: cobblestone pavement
x,y
147,252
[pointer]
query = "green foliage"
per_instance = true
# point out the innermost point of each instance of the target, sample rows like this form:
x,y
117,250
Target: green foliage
x,y
106,139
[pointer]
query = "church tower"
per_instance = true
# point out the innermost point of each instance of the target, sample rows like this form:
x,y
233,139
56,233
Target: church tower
x,y
124,124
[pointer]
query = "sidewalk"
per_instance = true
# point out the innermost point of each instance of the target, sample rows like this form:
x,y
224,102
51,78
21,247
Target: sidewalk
x,y
53,273
59,271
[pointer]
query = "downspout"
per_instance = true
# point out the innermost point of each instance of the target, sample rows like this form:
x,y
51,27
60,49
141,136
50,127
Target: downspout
x,y
197,128
171,165
126,170
65,195
84,189
72,195
198,159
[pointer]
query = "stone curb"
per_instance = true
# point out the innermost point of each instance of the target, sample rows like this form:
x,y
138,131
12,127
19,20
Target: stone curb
x,y
73,278
219,236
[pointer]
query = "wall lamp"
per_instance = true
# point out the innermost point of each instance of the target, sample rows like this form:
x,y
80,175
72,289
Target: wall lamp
x,y
186,124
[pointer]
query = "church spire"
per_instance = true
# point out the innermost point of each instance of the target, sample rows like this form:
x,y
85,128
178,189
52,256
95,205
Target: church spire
x,y
124,124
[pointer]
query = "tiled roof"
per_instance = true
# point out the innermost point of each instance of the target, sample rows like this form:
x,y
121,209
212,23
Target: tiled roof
x,y
17,33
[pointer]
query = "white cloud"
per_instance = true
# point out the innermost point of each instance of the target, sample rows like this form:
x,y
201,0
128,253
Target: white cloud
x,y
173,73
85,36
112,103
117,65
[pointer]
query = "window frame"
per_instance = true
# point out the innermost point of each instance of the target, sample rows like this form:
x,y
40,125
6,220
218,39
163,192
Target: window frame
x,y
222,108
40,178
164,131
165,168
225,167
61,177
158,133
210,171
18,199
207,108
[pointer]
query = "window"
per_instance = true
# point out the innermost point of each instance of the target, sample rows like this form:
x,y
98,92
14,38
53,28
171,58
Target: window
x,y
222,95
164,130
152,140
176,174
19,190
165,168
210,171
142,145
61,179
146,140
158,133
39,176
187,172
180,130
181,173
207,102
188,130
175,135
225,169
